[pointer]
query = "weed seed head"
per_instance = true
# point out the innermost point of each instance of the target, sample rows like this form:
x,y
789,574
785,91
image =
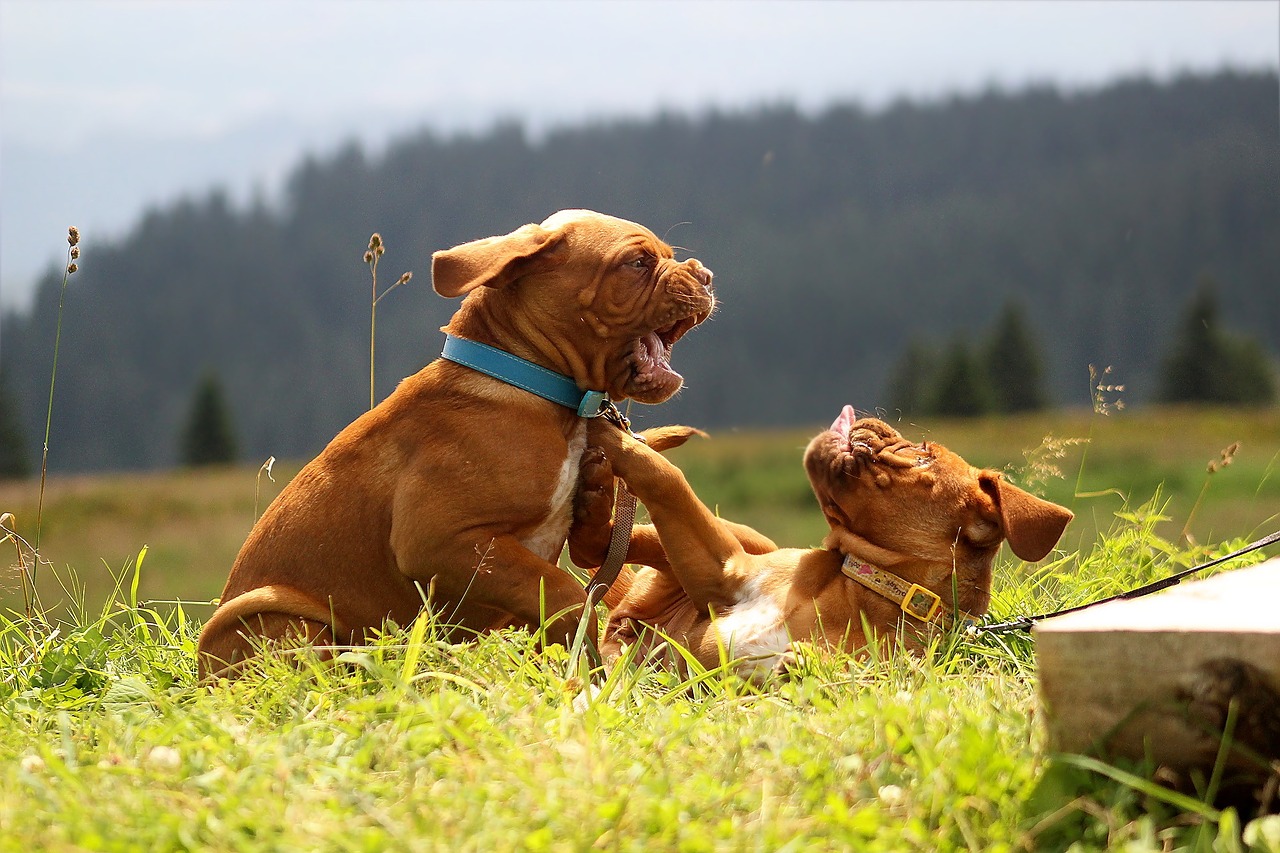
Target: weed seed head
x,y
1224,458
73,235
405,279
1042,464
75,252
368,257
1100,388
71,268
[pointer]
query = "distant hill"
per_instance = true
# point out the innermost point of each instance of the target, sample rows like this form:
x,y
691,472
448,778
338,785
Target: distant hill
x,y
836,237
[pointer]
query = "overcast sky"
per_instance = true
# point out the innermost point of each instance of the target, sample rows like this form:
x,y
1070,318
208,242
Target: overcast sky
x,y
109,107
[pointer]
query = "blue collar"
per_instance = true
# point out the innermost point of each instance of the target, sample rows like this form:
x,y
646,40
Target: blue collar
x,y
521,373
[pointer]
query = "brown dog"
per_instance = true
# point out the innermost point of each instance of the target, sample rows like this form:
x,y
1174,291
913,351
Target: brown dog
x,y
459,487
909,523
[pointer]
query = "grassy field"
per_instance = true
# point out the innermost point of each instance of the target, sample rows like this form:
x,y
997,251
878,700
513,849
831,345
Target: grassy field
x,y
108,744
193,523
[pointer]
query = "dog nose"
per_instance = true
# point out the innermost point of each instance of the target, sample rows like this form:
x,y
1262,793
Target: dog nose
x,y
704,275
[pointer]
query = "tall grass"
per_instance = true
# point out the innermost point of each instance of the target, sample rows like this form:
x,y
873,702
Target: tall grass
x,y
371,257
415,743
29,589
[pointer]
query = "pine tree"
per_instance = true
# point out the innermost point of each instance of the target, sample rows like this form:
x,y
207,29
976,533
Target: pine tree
x,y
14,462
208,438
1209,365
911,382
1014,365
963,389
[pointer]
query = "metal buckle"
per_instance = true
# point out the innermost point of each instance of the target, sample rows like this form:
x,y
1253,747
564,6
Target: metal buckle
x,y
614,416
593,404
911,608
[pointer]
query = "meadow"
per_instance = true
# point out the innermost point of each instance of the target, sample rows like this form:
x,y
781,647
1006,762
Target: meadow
x,y
416,744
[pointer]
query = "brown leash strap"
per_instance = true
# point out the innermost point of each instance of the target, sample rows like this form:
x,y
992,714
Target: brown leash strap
x,y
624,518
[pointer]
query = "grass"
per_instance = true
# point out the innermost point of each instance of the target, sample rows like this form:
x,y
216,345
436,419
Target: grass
x,y
195,522
107,743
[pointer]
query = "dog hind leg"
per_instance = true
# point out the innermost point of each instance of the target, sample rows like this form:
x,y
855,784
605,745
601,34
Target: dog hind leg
x,y
271,615
226,655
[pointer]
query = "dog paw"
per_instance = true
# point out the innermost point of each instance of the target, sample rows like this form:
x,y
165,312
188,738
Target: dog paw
x,y
668,437
613,440
796,661
787,665
592,510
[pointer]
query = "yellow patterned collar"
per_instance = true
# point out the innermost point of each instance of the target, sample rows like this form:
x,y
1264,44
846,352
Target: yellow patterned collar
x,y
915,601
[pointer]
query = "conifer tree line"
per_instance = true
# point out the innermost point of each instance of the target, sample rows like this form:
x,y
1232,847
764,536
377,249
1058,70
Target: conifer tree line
x,y
1209,364
966,256
1003,373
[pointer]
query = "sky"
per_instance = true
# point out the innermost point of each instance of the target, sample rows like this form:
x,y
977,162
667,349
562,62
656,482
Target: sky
x,y
111,107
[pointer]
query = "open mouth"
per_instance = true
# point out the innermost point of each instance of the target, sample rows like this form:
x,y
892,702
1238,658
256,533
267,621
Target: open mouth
x,y
653,378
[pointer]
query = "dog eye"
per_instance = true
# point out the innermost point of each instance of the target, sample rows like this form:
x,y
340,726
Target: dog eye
x,y
641,263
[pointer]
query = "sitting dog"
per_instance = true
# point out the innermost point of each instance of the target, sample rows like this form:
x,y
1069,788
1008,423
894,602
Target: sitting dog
x,y
459,487
913,533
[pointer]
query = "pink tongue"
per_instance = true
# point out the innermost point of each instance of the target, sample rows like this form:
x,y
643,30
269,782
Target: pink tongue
x,y
844,422
653,344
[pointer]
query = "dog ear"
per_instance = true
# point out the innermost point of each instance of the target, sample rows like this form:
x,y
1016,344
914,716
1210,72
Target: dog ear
x,y
1033,526
493,261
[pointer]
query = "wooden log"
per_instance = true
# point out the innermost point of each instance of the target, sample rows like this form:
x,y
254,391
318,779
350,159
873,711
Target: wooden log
x,y
1153,677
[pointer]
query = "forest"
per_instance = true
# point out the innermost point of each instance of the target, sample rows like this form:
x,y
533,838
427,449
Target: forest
x,y
844,241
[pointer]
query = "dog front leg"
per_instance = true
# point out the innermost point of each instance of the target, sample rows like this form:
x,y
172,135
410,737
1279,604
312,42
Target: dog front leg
x,y
593,513
703,554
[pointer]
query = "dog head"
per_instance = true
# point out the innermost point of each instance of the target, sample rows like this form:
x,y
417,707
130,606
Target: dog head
x,y
598,298
894,502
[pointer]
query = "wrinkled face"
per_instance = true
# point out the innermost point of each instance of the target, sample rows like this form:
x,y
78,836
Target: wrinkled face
x,y
913,499
920,501
637,299
926,505
605,294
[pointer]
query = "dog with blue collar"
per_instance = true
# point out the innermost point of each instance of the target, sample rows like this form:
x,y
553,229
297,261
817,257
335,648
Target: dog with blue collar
x,y
457,491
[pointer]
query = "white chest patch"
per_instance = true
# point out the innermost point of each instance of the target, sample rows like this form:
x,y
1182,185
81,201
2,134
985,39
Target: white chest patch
x,y
549,537
754,627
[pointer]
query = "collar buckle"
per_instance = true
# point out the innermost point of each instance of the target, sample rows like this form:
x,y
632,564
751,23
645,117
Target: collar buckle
x,y
913,599
918,597
594,404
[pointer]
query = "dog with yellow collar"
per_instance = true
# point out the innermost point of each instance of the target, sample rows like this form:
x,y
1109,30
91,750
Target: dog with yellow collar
x,y
914,530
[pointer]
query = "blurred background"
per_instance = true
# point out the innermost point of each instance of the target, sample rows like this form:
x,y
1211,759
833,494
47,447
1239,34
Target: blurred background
x,y
986,221
927,207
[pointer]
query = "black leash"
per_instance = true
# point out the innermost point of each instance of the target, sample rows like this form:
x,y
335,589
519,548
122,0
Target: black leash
x,y
1024,623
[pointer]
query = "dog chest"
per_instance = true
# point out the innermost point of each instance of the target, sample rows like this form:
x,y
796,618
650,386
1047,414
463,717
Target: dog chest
x,y
549,536
755,627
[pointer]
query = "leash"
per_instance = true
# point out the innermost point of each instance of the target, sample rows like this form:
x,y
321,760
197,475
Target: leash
x,y
560,389
624,519
1024,623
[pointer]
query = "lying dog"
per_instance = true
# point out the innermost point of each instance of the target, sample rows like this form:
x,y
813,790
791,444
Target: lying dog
x,y
913,533
459,486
